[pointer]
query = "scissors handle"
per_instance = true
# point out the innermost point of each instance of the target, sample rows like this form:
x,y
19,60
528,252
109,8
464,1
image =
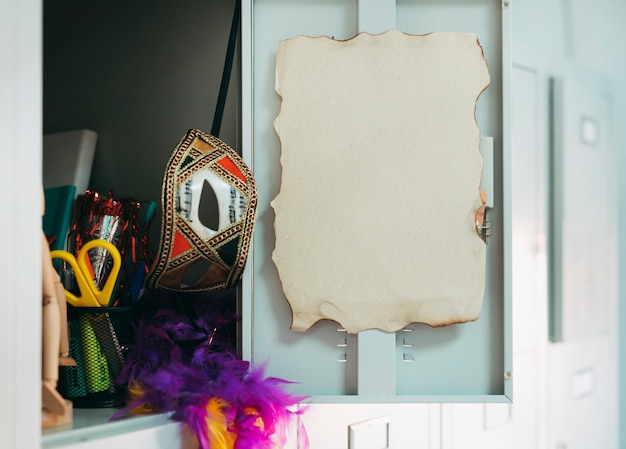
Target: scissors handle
x,y
85,287
90,295
103,296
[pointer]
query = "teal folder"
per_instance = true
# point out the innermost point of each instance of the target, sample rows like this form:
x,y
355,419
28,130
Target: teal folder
x,y
58,214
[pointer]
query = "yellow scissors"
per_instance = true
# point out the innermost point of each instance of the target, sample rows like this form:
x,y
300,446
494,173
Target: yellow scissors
x,y
90,295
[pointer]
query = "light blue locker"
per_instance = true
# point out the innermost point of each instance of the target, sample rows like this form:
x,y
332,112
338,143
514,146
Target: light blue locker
x,y
461,363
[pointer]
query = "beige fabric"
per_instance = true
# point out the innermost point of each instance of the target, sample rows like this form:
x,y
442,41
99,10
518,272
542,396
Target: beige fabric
x,y
380,179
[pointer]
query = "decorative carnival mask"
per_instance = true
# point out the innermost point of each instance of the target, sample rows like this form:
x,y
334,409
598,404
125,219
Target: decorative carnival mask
x,y
201,252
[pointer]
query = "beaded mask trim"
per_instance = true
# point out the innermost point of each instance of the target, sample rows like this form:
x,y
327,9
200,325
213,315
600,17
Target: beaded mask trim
x,y
187,243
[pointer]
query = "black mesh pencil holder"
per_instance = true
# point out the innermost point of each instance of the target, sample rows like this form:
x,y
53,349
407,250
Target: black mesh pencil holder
x,y
97,339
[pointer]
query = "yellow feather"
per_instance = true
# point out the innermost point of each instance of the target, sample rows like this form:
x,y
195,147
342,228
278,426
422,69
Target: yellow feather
x,y
258,422
135,392
217,425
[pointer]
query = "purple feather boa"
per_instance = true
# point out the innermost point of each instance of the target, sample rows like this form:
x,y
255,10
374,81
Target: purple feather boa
x,y
182,357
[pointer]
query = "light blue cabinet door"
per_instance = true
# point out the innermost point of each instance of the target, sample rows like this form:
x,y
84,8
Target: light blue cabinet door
x,y
468,362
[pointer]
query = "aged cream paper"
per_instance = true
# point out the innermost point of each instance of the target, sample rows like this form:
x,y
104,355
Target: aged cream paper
x,y
375,218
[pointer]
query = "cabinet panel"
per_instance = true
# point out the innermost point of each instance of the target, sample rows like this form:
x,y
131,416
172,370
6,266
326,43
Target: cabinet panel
x,y
409,425
20,195
464,362
493,426
582,360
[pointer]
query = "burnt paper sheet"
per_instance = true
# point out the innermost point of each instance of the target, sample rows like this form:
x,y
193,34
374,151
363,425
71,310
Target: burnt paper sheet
x,y
375,218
